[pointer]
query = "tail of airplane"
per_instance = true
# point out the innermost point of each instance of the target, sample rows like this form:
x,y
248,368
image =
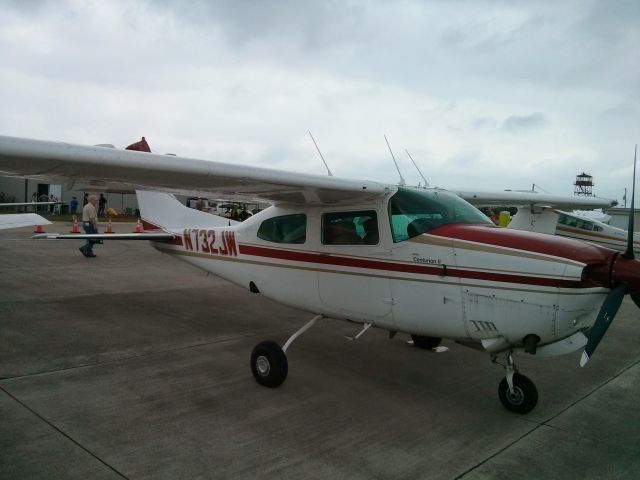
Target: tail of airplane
x,y
165,211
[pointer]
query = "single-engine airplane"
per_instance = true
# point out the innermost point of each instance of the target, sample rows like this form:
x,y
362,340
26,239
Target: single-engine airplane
x,y
419,261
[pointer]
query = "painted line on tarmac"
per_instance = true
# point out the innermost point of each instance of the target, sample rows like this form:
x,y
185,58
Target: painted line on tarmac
x,y
545,422
64,434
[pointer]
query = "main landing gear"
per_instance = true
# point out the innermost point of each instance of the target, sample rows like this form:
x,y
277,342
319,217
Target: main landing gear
x,y
424,342
517,393
269,363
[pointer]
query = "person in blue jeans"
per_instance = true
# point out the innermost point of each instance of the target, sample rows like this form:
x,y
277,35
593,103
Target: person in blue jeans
x,y
89,225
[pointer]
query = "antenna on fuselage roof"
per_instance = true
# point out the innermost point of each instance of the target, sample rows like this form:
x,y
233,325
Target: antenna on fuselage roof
x,y
323,160
534,186
402,182
426,184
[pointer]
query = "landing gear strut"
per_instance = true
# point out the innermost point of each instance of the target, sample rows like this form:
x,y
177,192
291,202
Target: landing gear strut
x,y
269,363
517,393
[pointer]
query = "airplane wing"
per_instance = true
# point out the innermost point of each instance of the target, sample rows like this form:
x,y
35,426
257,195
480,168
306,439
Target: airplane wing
x,y
28,204
104,167
17,220
524,199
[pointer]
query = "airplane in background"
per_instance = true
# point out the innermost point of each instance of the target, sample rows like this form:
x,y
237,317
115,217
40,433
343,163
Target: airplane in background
x,y
17,220
418,261
545,214
565,224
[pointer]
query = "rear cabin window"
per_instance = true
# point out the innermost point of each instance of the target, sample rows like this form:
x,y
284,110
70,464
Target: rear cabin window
x,y
413,212
284,229
350,228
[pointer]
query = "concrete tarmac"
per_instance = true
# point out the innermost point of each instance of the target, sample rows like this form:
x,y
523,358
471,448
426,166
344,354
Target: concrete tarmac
x,y
136,365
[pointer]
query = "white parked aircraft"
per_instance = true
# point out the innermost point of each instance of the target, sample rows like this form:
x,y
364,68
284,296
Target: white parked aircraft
x,y
570,225
419,261
16,220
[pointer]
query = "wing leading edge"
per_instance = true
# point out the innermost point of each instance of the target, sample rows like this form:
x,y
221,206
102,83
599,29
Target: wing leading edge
x,y
522,199
103,167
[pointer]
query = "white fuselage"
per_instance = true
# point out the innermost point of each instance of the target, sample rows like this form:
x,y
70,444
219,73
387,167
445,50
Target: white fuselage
x,y
431,285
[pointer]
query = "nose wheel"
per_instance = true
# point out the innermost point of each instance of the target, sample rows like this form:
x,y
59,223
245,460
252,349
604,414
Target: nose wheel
x,y
522,397
517,393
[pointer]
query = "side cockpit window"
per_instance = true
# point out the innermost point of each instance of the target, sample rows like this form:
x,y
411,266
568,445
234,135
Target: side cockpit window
x,y
350,228
284,229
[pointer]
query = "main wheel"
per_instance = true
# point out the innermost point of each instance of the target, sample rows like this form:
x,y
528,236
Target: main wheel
x,y
524,397
269,364
424,342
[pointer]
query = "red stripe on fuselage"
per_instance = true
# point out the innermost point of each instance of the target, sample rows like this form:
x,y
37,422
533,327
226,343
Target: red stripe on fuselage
x,y
576,250
150,227
336,260
146,225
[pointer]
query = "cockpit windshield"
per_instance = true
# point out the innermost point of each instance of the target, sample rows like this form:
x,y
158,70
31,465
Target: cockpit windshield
x,y
414,211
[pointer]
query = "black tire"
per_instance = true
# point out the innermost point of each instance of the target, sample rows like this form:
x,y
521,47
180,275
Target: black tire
x,y
269,364
424,342
524,397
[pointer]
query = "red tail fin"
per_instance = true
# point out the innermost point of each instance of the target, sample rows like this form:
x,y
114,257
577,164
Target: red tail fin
x,y
141,146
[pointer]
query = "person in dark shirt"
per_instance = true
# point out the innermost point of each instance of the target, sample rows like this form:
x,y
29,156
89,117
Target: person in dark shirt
x,y
102,203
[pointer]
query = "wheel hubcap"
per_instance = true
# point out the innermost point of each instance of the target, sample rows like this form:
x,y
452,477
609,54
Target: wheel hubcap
x,y
262,365
516,397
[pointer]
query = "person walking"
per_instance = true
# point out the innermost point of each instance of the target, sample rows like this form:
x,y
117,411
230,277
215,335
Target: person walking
x,y
89,224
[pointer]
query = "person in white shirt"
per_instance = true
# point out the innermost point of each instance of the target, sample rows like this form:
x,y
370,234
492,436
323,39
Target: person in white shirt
x,y
89,224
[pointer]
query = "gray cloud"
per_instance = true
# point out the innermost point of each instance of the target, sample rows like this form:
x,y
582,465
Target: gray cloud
x,y
484,123
243,81
519,123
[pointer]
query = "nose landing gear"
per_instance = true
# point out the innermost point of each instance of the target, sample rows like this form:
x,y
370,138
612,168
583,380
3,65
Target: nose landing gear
x,y
517,393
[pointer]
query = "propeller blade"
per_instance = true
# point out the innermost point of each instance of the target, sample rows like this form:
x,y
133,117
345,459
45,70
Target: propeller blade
x,y
605,317
629,252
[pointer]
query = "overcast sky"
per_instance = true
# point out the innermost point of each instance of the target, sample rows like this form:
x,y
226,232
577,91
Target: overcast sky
x,y
483,94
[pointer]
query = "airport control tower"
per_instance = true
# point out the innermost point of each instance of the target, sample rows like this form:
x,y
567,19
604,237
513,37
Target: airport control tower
x,y
583,185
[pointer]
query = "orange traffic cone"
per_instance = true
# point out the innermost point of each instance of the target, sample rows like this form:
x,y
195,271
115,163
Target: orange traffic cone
x,y
109,227
39,229
75,228
138,227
